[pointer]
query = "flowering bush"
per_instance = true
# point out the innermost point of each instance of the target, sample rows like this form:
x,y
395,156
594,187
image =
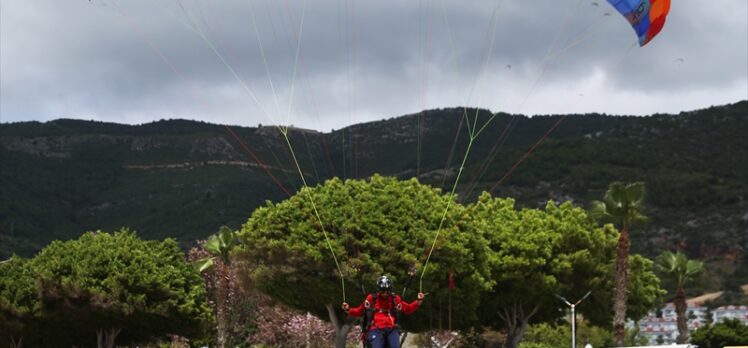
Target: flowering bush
x,y
255,319
280,326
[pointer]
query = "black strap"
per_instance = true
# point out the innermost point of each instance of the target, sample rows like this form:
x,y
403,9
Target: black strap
x,y
369,314
411,275
398,313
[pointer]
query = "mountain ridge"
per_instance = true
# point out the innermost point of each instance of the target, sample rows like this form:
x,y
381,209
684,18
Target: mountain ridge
x,y
183,179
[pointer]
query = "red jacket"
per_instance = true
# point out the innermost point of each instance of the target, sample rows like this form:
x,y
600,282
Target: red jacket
x,y
384,313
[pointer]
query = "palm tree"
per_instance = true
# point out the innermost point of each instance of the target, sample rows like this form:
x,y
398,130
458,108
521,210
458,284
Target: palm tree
x,y
622,206
681,270
219,247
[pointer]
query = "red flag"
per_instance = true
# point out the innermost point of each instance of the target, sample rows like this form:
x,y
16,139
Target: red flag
x,y
451,281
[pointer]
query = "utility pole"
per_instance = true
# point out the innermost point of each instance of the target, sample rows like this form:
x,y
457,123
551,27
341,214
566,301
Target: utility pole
x,y
573,316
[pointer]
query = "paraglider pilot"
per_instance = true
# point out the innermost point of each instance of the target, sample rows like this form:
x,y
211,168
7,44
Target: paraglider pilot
x,y
382,311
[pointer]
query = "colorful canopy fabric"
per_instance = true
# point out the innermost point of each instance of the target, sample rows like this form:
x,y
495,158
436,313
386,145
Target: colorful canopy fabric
x,y
647,17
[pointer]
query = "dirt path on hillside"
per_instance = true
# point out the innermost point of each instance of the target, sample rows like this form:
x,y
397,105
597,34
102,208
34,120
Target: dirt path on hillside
x,y
712,296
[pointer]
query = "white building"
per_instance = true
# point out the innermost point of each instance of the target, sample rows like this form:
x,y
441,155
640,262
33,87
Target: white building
x,y
664,329
731,312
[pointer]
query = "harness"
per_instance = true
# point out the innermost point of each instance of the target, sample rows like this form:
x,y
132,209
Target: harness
x,y
368,318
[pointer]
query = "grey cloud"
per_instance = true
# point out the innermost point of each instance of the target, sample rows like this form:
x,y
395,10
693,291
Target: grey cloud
x,y
85,59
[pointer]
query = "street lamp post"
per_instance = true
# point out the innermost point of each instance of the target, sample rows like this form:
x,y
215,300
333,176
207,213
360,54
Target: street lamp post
x,y
573,316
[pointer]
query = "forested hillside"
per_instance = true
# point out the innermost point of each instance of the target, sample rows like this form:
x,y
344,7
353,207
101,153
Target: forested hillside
x,y
184,179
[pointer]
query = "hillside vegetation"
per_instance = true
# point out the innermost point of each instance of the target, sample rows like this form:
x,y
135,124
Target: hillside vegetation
x,y
184,179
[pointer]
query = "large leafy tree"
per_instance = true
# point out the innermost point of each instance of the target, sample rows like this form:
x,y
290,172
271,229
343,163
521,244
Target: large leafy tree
x,y
117,287
18,300
375,226
559,335
730,332
538,253
677,267
643,288
622,206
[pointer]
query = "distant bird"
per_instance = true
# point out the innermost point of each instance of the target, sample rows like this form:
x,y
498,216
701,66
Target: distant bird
x,y
594,3
680,60
509,66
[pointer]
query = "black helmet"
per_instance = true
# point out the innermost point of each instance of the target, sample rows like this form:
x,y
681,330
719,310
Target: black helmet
x,y
384,283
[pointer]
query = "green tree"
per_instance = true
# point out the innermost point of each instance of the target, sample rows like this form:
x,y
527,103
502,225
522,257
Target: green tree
x,y
375,226
18,300
726,333
622,205
534,255
559,335
219,247
682,271
118,286
643,288
558,250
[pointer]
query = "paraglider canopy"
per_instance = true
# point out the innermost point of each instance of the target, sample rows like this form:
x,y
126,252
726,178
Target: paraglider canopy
x,y
647,17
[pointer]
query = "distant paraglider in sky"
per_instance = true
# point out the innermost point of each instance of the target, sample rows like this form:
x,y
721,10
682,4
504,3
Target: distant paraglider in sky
x,y
647,17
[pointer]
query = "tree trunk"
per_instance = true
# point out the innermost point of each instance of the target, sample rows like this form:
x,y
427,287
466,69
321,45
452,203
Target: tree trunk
x,y
620,294
14,344
111,335
221,304
680,310
516,321
342,327
515,336
105,337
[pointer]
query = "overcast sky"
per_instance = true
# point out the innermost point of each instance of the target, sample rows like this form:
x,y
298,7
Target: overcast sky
x,y
134,61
